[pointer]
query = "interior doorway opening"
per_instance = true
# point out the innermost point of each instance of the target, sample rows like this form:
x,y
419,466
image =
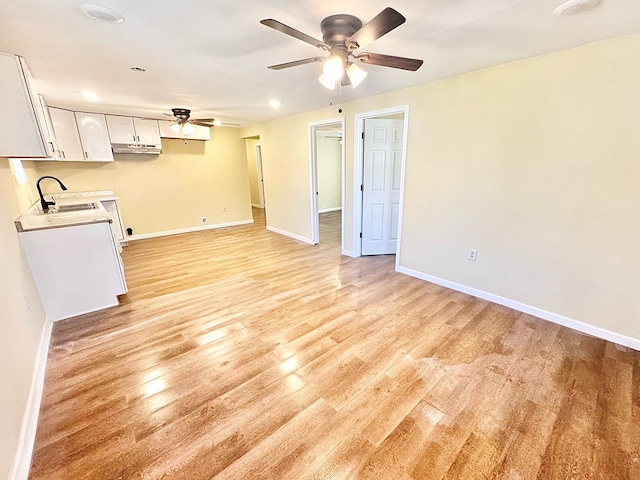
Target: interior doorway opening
x,y
326,154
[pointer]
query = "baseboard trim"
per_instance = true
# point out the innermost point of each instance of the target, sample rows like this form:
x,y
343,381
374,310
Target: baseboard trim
x,y
577,325
290,235
27,438
327,210
165,233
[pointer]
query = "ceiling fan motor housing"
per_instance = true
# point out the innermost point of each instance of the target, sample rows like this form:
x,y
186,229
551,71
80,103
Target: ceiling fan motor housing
x,y
181,113
337,29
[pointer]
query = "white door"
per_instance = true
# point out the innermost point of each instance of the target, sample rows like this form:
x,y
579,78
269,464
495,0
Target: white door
x,y
382,168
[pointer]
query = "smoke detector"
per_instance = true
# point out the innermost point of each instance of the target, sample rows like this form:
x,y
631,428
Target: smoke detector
x,y
575,7
98,12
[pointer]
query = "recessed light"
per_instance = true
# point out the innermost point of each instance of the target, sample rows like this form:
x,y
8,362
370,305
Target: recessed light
x,y
90,95
98,12
575,7
138,69
274,103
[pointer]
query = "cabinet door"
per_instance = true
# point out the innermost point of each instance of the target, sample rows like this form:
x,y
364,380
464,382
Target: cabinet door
x,y
94,136
66,132
21,132
121,129
111,206
51,143
147,131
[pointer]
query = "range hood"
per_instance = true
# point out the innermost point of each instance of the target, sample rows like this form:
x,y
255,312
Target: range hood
x,y
136,148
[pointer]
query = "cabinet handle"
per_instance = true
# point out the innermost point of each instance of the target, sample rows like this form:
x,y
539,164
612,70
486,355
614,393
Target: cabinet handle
x,y
86,155
63,155
53,149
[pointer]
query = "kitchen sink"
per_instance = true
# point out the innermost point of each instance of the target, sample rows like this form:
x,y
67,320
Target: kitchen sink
x,y
73,208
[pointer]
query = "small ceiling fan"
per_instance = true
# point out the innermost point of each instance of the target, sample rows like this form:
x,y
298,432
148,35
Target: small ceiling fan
x,y
342,35
182,116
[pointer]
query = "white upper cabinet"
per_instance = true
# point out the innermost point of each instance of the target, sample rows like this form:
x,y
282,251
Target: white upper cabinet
x,y
133,130
67,137
21,134
192,132
94,136
147,131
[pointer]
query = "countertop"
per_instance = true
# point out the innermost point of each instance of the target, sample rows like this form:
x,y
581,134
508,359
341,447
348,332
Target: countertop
x,y
35,219
67,198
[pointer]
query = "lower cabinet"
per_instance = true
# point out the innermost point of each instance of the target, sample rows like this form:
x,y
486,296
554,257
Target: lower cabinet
x,y
77,269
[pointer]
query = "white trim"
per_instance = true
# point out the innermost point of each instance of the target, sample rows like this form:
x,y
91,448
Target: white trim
x,y
358,152
27,438
327,210
571,323
290,235
348,253
165,233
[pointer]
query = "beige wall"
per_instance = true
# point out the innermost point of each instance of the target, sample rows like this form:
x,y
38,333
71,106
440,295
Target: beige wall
x,y
21,322
171,191
534,163
329,157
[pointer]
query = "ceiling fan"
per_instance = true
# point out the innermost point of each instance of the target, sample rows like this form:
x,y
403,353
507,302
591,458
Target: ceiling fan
x,y
342,35
182,116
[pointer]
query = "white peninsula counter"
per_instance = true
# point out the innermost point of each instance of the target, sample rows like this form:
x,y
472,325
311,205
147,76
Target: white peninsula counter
x,y
73,256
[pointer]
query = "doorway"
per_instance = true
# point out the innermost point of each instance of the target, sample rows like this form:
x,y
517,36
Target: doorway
x,y
377,223
326,154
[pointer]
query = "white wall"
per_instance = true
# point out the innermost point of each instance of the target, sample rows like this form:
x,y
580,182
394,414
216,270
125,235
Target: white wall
x,y
329,158
21,323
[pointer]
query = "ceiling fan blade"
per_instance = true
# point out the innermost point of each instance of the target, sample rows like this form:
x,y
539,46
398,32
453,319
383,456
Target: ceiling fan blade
x,y
402,63
202,124
208,120
380,25
296,63
281,27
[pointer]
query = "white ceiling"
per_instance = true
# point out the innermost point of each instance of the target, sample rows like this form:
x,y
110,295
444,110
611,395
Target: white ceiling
x,y
212,55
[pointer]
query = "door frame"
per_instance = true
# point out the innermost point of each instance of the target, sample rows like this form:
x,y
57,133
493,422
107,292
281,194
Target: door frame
x,y
313,167
358,160
259,175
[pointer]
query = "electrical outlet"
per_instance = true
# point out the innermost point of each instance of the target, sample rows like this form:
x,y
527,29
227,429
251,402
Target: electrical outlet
x,y
473,254
203,219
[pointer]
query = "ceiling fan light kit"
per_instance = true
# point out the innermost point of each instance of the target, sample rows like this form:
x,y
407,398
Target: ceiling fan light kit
x,y
342,35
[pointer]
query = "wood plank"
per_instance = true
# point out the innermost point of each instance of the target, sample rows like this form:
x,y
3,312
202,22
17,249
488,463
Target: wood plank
x,y
240,353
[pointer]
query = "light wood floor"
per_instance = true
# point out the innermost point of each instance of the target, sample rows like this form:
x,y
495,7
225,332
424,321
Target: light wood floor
x,y
242,354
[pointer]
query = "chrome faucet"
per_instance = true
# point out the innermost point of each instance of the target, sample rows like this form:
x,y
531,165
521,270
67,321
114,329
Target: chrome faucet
x,y
43,202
